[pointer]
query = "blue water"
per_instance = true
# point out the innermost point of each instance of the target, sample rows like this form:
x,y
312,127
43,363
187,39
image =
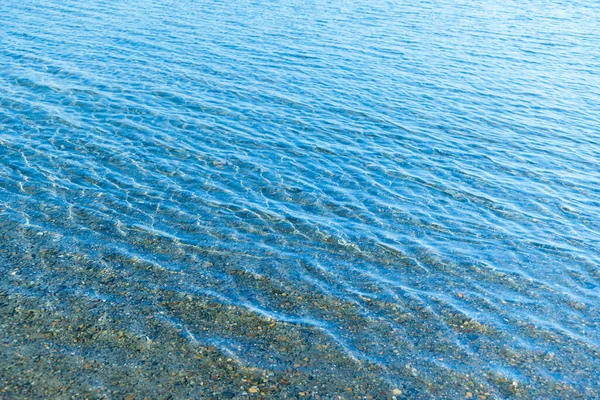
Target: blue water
x,y
412,185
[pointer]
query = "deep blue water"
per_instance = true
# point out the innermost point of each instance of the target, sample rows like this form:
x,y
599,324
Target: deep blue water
x,y
412,185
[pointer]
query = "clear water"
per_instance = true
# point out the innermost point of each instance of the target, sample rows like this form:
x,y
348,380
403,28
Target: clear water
x,y
342,198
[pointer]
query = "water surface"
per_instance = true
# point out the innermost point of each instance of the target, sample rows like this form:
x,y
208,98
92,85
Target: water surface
x,y
300,198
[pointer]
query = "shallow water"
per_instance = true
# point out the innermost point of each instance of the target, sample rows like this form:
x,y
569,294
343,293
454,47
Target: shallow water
x,y
300,199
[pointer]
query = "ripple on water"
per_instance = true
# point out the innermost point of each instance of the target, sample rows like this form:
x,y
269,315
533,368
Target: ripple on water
x,y
298,198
